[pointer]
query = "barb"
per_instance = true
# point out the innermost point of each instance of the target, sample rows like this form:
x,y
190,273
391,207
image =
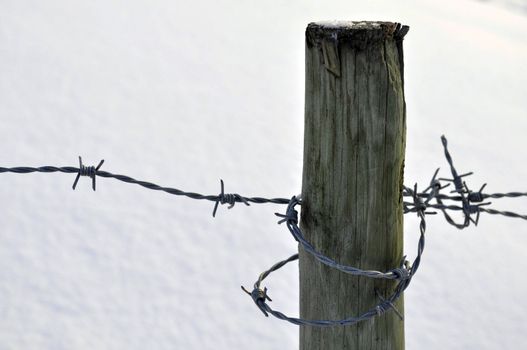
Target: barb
x,y
89,171
229,198
467,196
383,300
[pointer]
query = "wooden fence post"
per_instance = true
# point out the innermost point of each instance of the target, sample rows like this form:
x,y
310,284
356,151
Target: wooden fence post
x,y
354,144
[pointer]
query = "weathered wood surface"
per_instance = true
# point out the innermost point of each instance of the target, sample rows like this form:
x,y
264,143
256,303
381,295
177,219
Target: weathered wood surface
x,y
354,144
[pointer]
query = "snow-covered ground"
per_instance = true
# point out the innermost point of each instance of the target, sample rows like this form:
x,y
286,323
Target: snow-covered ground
x,y
513,5
185,93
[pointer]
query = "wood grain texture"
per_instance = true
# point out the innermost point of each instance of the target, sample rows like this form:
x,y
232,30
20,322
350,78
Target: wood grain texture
x,y
354,143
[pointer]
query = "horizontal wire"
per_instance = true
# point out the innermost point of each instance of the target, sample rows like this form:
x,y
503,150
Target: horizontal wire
x,y
470,203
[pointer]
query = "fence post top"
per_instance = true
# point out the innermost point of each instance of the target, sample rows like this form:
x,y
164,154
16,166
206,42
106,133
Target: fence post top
x,y
355,30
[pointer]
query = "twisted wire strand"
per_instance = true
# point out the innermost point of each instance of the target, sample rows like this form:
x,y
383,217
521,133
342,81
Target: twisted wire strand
x,y
291,220
504,213
221,198
505,195
483,195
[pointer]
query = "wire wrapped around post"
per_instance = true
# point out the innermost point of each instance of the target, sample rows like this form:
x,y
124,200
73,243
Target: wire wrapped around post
x,y
260,296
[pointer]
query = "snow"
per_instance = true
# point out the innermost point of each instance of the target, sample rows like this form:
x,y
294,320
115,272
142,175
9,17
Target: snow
x,y
185,93
340,24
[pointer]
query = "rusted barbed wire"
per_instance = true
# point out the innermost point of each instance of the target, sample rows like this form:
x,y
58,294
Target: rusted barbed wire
x,y
470,203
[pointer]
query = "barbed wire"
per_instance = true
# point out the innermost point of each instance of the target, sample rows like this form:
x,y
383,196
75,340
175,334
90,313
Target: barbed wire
x,y
92,172
471,206
291,220
403,274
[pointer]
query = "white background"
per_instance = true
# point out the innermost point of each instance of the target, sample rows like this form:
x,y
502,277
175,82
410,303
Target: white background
x,y
185,93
